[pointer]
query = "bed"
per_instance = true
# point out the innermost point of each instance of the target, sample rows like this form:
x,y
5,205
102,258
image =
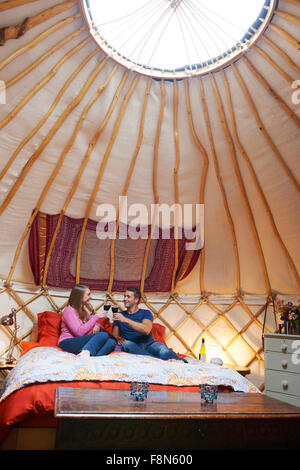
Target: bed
x,y
28,396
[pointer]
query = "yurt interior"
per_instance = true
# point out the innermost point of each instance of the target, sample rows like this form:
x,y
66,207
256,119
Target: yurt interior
x,y
165,135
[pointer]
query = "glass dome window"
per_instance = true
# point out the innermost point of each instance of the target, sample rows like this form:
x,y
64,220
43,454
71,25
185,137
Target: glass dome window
x,y
176,38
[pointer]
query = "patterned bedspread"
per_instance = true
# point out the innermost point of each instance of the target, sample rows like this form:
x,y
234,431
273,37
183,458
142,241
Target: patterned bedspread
x,y
46,364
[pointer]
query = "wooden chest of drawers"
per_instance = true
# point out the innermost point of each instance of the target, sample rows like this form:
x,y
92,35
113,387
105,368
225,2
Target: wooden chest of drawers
x,y
282,367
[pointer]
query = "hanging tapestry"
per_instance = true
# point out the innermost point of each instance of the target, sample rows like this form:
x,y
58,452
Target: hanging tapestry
x,y
95,260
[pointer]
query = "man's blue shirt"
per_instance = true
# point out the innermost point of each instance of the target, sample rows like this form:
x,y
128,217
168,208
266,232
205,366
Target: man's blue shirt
x,y
129,333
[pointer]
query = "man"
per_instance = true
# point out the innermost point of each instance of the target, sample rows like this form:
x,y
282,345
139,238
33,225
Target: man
x,y
133,329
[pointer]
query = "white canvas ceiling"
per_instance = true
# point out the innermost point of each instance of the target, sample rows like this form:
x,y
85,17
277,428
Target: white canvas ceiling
x,y
243,128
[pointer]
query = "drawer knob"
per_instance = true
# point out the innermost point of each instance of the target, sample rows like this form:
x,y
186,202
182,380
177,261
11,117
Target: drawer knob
x,y
283,347
284,364
284,384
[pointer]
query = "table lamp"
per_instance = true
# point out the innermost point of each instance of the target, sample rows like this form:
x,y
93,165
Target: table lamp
x,y
9,320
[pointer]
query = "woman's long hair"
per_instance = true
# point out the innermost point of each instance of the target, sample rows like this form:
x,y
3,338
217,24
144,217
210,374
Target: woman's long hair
x,y
75,300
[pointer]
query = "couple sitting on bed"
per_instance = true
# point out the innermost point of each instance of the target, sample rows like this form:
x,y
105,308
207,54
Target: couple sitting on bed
x,y
132,329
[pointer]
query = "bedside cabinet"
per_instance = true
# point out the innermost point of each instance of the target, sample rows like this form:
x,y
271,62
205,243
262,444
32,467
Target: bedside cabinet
x,y
282,367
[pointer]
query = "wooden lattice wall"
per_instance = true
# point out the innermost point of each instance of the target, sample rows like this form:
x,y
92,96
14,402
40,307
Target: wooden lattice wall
x,y
234,325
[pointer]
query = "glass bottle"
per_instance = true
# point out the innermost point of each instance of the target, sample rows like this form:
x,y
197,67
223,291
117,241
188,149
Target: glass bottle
x,y
202,352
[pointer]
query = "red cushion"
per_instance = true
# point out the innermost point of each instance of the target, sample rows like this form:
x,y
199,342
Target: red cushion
x,y
106,324
27,345
49,324
158,332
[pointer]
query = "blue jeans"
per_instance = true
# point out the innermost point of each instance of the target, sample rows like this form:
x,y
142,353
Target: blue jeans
x,y
99,344
149,348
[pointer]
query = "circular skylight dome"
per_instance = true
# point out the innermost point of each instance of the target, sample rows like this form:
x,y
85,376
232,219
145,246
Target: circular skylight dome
x,y
176,38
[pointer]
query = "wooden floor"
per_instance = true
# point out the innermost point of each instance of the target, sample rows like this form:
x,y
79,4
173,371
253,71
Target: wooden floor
x,y
110,419
21,438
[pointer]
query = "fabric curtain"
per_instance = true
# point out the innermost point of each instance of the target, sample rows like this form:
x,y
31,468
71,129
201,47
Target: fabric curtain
x,y
95,261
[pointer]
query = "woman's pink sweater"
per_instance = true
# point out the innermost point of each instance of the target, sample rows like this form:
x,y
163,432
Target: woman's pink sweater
x,y
72,325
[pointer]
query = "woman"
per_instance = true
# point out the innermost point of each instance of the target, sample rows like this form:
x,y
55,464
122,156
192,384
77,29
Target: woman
x,y
76,325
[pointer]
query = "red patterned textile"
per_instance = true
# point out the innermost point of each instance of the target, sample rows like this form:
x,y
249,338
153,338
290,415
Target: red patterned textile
x,y
95,256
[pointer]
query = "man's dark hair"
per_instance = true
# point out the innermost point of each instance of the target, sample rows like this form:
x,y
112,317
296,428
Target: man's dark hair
x,y
136,291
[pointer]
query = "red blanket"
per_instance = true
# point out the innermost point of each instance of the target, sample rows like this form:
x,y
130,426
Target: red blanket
x,y
33,405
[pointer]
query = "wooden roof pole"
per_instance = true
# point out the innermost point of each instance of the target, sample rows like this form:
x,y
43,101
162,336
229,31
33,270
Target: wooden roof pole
x,y
52,107
241,185
222,189
14,32
285,35
43,57
262,128
255,179
154,182
274,64
103,163
203,177
288,16
6,5
127,182
45,142
83,163
295,2
175,176
74,103
37,40
283,54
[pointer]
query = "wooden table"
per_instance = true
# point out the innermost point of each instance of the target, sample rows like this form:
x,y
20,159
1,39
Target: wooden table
x,y
240,369
111,419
